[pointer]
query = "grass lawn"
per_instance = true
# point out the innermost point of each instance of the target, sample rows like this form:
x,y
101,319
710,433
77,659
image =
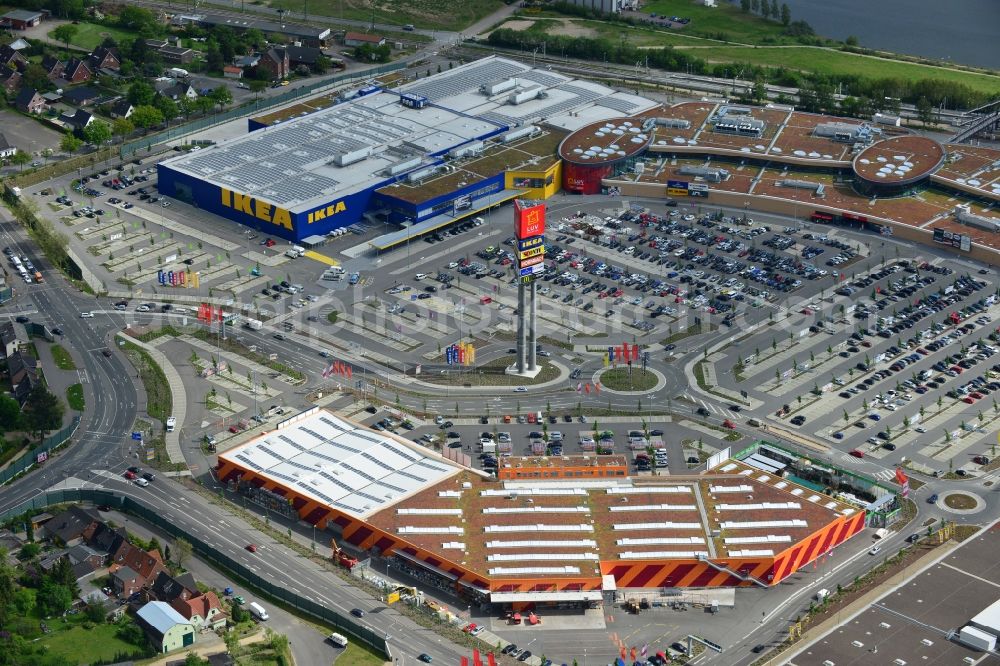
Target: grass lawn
x,y
710,21
159,402
62,358
492,374
434,14
618,379
74,396
829,61
82,646
634,36
358,655
90,35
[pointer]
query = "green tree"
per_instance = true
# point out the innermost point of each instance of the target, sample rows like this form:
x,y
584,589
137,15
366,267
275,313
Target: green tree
x,y
122,127
141,93
745,5
222,96
194,660
96,611
61,573
35,76
775,10
146,116
69,143
65,33
43,411
53,598
924,110
20,158
257,87
130,632
786,14
167,107
97,133
182,551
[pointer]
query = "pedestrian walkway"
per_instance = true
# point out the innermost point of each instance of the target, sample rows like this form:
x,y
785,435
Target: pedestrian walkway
x,y
177,395
59,380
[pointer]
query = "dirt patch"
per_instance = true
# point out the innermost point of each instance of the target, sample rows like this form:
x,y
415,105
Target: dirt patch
x,y
562,27
960,501
519,25
571,29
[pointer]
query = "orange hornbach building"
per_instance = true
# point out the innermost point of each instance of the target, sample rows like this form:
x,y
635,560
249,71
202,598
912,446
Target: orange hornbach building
x,y
550,529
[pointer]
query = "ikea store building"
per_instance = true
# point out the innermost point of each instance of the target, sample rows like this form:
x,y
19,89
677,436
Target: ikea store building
x,y
421,156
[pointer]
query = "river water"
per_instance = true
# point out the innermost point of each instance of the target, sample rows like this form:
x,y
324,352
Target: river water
x,y
962,31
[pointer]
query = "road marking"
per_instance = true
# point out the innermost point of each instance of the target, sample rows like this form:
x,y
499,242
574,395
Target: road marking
x,y
963,571
322,258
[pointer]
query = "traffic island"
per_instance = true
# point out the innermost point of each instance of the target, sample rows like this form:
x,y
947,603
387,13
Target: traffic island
x,y
492,373
629,380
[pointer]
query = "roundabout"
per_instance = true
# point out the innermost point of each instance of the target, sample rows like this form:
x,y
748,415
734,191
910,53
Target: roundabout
x,y
624,381
962,502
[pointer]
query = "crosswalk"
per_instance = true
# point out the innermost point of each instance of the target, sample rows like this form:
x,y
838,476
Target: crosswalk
x,y
715,409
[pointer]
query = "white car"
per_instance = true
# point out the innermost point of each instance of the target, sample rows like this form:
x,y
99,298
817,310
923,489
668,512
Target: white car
x,y
141,482
86,315
520,389
586,439
875,550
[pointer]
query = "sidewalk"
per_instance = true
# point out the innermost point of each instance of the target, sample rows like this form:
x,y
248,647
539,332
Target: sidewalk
x,y
177,395
59,380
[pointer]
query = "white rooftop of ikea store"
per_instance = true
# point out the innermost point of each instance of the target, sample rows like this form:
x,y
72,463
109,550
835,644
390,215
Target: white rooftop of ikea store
x,y
352,469
363,143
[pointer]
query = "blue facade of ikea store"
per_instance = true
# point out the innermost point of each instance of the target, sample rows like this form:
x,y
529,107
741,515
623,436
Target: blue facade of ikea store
x,y
336,213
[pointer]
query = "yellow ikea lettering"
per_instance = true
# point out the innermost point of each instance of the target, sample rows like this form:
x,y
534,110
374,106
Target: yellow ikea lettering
x,y
256,208
329,211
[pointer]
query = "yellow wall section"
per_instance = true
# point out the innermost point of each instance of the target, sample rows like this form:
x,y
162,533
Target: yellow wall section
x,y
554,172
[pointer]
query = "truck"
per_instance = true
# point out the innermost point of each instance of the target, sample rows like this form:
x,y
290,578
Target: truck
x,y
177,72
258,611
293,254
38,277
489,447
253,324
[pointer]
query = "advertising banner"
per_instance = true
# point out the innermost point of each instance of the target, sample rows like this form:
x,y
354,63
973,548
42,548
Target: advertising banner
x,y
536,251
529,243
703,194
697,187
533,261
529,221
677,192
678,184
531,270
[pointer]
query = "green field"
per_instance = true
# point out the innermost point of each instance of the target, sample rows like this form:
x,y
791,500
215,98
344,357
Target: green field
x,y
726,18
85,646
74,396
829,61
62,358
90,35
437,14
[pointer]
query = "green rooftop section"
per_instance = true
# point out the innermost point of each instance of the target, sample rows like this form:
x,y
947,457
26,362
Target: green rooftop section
x,y
536,154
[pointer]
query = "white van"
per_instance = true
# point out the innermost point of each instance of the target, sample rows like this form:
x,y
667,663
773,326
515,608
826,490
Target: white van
x,y
420,276
258,611
338,640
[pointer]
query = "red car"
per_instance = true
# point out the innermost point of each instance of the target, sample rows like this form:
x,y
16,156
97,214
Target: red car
x,y
233,429
857,454
729,424
968,400
252,548
269,242
129,475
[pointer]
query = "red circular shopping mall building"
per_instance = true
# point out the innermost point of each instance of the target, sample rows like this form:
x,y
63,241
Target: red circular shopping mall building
x,y
897,164
601,150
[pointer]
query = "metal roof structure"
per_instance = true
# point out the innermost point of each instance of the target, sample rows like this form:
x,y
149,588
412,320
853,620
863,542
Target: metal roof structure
x,y
352,469
161,616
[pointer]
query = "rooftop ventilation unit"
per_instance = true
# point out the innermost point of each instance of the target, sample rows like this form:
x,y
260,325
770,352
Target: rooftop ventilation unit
x,y
965,215
497,87
350,157
818,188
420,175
466,150
514,135
400,167
708,173
526,95
670,123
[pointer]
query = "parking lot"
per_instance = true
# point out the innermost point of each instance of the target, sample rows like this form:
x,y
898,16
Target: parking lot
x,y
894,365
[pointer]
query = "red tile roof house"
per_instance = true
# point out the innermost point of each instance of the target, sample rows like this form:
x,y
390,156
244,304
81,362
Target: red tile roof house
x,y
360,38
147,565
204,611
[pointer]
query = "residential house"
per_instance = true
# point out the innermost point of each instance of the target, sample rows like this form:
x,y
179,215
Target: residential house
x,y
177,55
11,57
204,611
10,542
232,72
84,554
52,97
147,565
53,66
77,119
20,44
122,109
10,79
67,528
47,561
77,71
166,628
246,61
23,372
29,101
156,44
303,55
177,90
126,582
8,334
274,61
82,96
105,58
6,150
168,588
361,39
105,539
21,19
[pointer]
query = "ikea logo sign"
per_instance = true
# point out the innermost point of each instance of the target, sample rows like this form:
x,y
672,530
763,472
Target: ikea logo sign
x,y
256,208
329,211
